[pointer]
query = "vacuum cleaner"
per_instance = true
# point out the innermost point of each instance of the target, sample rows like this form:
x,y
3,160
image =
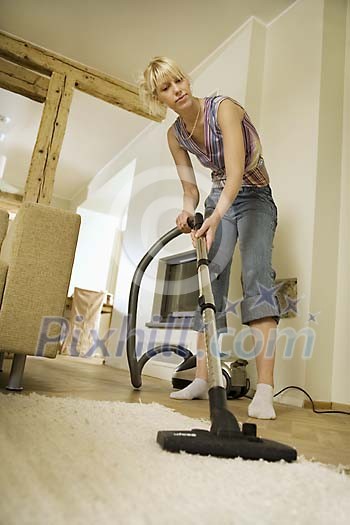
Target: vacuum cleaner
x,y
225,438
234,373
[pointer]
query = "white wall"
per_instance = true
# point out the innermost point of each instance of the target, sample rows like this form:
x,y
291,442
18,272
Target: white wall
x,y
302,109
328,195
341,363
289,131
94,251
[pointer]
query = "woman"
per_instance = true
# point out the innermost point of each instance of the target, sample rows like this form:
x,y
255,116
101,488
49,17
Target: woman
x,y
240,206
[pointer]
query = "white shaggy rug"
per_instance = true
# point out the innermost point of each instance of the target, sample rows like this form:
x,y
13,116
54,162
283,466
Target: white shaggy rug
x,y
73,461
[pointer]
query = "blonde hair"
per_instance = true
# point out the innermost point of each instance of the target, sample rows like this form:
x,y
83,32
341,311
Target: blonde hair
x,y
160,69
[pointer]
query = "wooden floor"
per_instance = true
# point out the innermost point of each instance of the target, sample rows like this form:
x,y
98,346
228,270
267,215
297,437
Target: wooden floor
x,y
321,437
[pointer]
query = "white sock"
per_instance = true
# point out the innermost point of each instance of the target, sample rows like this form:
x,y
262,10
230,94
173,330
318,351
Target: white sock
x,y
262,406
198,389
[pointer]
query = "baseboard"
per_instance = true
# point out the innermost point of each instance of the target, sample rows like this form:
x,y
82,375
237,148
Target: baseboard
x,y
341,406
306,403
322,405
326,405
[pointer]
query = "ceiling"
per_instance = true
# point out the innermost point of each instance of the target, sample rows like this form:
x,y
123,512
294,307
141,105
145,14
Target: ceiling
x,y
117,37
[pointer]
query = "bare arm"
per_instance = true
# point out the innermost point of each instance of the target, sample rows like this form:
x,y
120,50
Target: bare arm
x,y
188,180
230,122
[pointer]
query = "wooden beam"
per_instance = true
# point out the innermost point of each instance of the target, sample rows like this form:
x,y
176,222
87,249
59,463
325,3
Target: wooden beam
x,y
10,201
89,80
40,180
20,80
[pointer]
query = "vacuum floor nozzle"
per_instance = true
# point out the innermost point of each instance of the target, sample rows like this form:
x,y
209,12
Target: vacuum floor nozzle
x,y
230,445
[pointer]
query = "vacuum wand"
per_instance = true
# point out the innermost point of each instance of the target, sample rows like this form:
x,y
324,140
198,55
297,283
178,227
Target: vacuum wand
x,y
222,420
208,310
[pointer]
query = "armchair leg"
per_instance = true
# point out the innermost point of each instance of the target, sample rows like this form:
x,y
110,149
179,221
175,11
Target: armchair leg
x,y
2,355
16,374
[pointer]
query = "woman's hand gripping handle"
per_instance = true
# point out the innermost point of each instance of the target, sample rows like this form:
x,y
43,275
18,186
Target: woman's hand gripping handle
x,y
195,223
202,228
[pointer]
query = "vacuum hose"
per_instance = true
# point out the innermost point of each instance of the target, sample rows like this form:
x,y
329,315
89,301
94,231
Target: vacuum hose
x,y
135,365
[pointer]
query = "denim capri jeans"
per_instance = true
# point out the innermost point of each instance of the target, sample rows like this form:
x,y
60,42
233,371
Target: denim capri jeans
x,y
252,220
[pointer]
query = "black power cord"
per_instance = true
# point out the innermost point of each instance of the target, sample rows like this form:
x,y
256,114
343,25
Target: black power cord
x,y
313,406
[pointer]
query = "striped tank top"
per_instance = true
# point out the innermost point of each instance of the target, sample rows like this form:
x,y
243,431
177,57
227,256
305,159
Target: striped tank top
x,y
255,173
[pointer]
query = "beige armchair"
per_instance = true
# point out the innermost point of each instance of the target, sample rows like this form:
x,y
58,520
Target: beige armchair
x,y
36,261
